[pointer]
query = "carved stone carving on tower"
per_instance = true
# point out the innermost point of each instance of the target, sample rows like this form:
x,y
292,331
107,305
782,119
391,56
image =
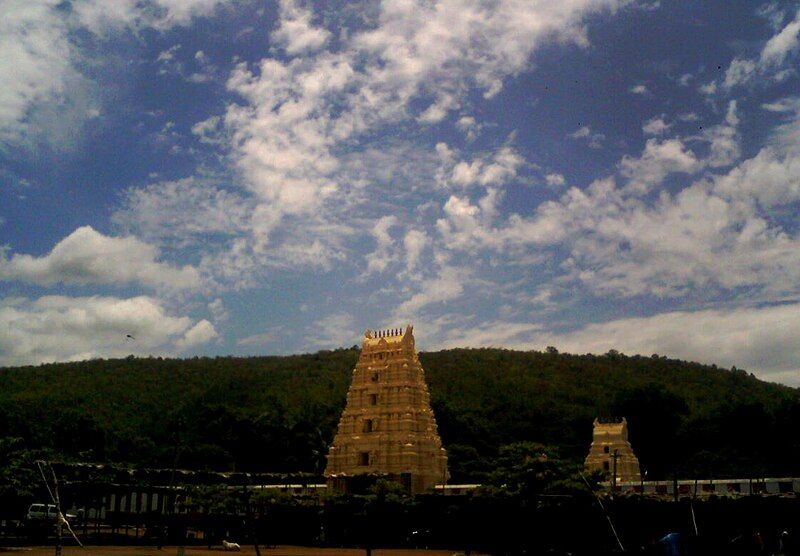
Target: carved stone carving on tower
x,y
387,427
610,439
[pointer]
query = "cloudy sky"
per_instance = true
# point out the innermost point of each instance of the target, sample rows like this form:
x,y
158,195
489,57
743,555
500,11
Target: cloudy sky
x,y
258,177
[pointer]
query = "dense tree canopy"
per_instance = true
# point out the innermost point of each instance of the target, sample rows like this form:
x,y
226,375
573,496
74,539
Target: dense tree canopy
x,y
279,413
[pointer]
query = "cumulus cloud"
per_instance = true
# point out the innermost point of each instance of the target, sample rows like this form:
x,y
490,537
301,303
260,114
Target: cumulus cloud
x,y
257,340
777,50
760,339
659,159
378,260
332,331
89,257
59,328
296,34
102,16
415,241
717,233
469,126
581,132
662,157
34,63
656,126
783,44
555,180
512,335
197,335
39,58
446,286
595,140
292,135
497,169
183,212
739,71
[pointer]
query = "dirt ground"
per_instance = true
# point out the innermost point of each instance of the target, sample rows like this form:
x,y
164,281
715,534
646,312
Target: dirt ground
x,y
203,551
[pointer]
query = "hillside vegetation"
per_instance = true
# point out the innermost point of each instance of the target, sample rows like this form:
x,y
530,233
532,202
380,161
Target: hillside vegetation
x,y
279,414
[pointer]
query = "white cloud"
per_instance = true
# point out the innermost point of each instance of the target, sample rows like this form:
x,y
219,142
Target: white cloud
x,y
415,241
292,139
446,286
585,132
378,260
296,34
89,257
333,331
183,212
469,126
497,169
555,180
218,310
58,328
762,340
724,139
659,159
257,340
581,132
44,96
34,63
719,233
639,89
199,334
104,16
708,89
738,72
759,339
784,105
656,126
783,44
662,157
493,334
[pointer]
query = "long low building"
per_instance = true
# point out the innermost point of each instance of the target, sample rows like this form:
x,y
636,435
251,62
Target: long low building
x,y
703,488
120,499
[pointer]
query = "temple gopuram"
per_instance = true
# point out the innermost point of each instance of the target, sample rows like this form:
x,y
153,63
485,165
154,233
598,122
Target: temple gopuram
x,y
387,429
612,454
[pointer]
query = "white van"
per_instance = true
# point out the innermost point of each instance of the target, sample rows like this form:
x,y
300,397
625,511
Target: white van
x,y
38,512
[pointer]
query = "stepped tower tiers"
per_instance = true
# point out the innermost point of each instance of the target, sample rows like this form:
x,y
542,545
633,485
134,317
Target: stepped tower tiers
x,y
610,439
387,428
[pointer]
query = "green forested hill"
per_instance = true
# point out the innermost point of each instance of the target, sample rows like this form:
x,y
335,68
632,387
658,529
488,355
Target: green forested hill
x,y
280,413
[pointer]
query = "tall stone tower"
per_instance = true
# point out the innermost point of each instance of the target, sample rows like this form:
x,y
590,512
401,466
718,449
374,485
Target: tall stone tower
x,y
610,443
387,428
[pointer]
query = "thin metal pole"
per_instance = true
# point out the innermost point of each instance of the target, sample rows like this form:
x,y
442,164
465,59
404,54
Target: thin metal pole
x,y
608,517
614,482
59,517
54,497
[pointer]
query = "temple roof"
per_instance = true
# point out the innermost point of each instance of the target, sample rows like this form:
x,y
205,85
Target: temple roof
x,y
373,338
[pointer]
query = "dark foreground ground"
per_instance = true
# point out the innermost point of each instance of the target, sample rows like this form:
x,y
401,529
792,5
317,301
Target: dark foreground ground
x,y
202,551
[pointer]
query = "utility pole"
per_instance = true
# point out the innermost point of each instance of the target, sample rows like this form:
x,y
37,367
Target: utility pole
x,y
59,519
614,473
642,475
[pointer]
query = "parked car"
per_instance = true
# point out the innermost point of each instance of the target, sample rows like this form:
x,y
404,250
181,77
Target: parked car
x,y
41,512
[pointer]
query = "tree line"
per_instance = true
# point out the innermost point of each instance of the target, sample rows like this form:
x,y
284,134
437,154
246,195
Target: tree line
x,y
279,414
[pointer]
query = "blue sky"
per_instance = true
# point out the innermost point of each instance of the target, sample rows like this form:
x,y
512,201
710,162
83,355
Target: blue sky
x,y
245,177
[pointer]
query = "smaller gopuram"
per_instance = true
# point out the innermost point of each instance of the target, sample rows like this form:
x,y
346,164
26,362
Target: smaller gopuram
x,y
612,454
387,429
